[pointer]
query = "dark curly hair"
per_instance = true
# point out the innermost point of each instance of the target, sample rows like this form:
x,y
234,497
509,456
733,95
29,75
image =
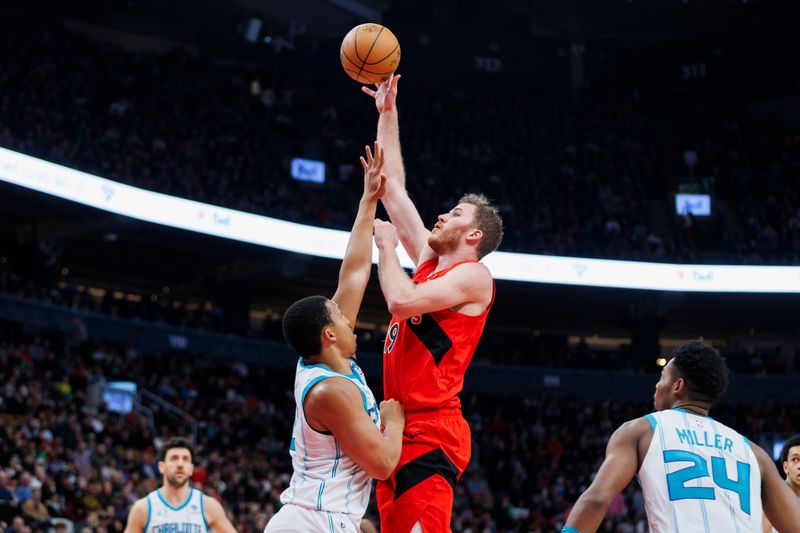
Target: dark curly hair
x,y
303,323
176,442
702,368
790,443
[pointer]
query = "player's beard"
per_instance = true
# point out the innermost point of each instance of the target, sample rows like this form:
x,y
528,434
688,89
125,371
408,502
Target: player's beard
x,y
174,483
446,240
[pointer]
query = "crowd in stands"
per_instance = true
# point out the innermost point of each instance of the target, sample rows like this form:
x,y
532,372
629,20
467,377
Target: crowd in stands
x,y
591,180
586,181
67,459
162,308
521,348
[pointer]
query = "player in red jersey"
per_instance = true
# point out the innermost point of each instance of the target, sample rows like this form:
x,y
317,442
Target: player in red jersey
x,y
438,318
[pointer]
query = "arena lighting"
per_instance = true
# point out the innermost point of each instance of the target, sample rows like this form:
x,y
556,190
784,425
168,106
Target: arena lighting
x,y
158,208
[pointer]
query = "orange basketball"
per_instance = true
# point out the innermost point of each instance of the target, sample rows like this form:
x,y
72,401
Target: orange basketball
x,y
369,53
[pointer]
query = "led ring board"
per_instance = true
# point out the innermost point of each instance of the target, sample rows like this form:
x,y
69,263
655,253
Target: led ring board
x,y
158,208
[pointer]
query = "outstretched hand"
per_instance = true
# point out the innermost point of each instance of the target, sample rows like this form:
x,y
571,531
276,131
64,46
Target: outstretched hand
x,y
386,94
374,178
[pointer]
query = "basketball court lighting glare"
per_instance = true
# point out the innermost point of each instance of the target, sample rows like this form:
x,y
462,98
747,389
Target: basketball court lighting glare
x,y
63,182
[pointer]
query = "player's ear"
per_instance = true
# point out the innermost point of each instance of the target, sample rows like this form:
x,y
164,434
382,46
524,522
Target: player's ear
x,y
786,467
474,235
328,335
679,386
161,467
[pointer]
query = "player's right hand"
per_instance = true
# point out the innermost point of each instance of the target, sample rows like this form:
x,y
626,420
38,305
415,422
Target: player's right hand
x,y
374,178
386,94
385,235
392,411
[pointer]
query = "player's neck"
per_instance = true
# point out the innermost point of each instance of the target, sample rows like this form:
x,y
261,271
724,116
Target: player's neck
x,y
333,360
691,407
795,489
449,259
175,496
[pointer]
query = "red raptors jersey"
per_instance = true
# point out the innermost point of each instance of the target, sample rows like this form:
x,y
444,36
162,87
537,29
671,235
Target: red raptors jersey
x,y
425,357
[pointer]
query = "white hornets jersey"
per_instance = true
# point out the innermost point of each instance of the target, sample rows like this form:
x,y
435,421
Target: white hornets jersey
x,y
188,517
699,476
324,478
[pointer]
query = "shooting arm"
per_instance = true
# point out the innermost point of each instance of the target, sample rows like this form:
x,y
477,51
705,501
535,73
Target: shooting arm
x,y
410,228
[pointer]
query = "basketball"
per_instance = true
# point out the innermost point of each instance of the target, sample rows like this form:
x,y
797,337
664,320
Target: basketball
x,y
369,53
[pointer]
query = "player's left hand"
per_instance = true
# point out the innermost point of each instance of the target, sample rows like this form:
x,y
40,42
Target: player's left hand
x,y
374,178
385,234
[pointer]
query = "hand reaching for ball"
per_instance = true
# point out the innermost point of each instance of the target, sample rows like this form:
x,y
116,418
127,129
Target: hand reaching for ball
x,y
374,178
386,93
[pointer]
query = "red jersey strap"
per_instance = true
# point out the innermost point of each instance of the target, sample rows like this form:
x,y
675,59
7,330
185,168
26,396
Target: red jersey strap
x,y
427,269
424,270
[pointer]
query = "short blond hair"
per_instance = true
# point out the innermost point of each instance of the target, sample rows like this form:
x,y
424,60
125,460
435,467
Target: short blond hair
x,y
487,219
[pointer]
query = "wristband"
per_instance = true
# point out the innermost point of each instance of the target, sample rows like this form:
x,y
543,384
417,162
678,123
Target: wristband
x,y
569,529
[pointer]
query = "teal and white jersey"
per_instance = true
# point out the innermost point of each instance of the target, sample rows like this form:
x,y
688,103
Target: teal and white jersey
x,y
325,479
188,517
699,476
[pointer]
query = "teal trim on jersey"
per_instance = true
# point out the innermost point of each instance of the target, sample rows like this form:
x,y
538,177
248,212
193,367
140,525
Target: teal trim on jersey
x,y
330,522
652,420
353,367
308,387
350,490
149,511
319,496
367,408
184,504
203,511
336,460
569,529
326,367
320,378
292,446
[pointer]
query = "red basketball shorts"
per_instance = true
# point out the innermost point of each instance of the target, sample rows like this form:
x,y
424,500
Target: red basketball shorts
x,y
436,450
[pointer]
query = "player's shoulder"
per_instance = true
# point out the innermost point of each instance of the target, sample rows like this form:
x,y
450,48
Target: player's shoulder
x,y
762,457
142,502
634,428
473,273
209,502
331,392
139,512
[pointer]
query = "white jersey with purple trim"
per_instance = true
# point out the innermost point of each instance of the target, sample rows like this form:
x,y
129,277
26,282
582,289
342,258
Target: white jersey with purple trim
x,y
189,517
324,478
699,476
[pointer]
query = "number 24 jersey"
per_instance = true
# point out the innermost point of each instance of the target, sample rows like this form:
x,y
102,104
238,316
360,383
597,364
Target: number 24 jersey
x,y
699,476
